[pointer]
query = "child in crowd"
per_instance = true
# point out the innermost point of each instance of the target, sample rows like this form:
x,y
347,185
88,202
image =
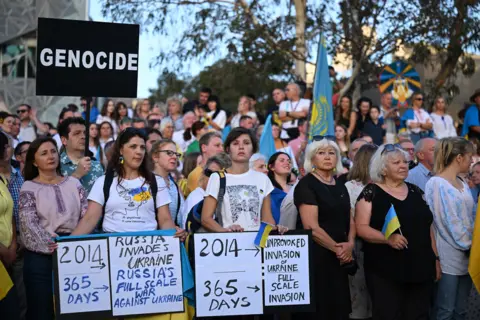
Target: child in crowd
x,y
374,127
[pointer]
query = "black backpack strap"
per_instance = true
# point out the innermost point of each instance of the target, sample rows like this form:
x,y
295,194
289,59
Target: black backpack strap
x,y
179,200
221,194
154,191
106,193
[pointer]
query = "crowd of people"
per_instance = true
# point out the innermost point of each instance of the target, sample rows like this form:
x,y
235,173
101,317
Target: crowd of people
x,y
148,167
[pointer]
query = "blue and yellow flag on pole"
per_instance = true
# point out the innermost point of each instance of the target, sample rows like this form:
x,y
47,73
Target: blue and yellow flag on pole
x,y
321,118
262,235
391,223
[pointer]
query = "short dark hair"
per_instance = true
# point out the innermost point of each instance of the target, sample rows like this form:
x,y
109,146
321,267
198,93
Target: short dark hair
x,y
3,141
301,121
18,148
64,127
252,96
206,90
138,120
65,110
237,132
205,139
245,117
150,130
73,107
362,100
3,115
29,107
375,107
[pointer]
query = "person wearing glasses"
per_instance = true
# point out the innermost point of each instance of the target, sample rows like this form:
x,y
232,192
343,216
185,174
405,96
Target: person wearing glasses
x,y
400,270
416,120
130,206
165,157
28,130
216,163
453,209
443,125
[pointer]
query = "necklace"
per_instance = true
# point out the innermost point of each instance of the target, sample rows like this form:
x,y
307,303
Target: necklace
x,y
392,189
323,179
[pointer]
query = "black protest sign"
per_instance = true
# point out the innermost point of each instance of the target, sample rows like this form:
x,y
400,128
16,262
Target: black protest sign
x,y
107,276
82,58
234,277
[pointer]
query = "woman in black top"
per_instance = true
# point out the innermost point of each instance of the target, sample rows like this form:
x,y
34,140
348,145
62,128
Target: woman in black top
x,y
363,106
324,207
400,270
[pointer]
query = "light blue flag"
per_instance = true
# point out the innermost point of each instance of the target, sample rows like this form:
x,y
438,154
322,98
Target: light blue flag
x,y
267,145
321,118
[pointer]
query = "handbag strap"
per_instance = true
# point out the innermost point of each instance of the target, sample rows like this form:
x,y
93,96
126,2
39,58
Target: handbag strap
x,y
221,194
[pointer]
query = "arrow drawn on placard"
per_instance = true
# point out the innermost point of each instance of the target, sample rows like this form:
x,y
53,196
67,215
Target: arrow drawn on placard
x,y
100,266
256,249
256,288
105,288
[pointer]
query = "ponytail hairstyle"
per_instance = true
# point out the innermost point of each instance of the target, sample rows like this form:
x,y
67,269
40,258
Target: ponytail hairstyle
x,y
447,149
196,126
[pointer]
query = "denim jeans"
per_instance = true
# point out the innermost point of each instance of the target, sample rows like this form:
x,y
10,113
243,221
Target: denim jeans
x,y
452,297
38,279
415,137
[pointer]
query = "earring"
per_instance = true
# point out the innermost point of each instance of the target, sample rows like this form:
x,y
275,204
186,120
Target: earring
x,y
313,168
121,159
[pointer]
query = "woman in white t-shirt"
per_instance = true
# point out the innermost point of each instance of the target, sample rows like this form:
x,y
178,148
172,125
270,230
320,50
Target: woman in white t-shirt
x,y
130,206
246,202
216,117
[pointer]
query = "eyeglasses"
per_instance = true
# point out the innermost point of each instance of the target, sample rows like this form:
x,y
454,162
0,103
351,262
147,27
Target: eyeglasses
x,y
419,99
320,138
171,153
21,111
208,172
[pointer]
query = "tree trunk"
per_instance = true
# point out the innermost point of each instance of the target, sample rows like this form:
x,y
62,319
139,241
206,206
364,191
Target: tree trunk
x,y
300,44
454,48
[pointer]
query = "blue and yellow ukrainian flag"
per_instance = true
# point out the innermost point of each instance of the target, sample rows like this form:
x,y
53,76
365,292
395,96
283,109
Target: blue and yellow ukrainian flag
x,y
321,118
391,223
267,144
262,235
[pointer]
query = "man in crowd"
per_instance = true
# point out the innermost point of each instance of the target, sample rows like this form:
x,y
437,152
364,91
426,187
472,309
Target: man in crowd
x,y
93,109
73,161
471,123
68,112
246,122
153,120
420,175
299,144
28,130
203,96
389,116
354,146
139,123
210,145
292,110
125,123
278,96
21,154
153,135
408,146
8,126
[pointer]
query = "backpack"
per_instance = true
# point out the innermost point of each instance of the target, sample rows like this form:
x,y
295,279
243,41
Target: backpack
x,y
194,217
109,175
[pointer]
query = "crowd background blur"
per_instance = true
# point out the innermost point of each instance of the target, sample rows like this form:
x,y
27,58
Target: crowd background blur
x,y
341,187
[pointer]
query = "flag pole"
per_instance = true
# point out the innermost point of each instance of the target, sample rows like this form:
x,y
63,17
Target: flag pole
x,y
400,229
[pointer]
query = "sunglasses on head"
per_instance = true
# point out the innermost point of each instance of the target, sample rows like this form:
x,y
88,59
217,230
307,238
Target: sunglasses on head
x,y
208,172
321,137
391,147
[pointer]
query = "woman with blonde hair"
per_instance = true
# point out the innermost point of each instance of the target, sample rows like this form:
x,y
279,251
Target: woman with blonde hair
x,y
324,208
244,109
443,125
453,210
174,106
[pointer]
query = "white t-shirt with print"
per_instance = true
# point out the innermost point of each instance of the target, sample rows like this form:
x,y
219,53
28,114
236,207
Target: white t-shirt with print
x,y
130,205
243,199
290,106
220,119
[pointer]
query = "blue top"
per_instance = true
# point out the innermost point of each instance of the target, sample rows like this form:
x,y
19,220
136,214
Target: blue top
x,y
93,114
14,186
470,120
276,198
87,181
419,176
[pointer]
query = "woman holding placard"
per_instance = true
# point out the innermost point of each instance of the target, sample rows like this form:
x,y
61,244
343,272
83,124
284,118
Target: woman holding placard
x,y
130,193
246,202
49,205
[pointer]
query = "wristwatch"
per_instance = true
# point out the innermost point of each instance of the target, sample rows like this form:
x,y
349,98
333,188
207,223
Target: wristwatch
x,y
288,113
437,258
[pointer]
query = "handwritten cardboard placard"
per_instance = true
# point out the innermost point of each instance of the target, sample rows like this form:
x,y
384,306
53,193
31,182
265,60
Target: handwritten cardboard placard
x,y
104,276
